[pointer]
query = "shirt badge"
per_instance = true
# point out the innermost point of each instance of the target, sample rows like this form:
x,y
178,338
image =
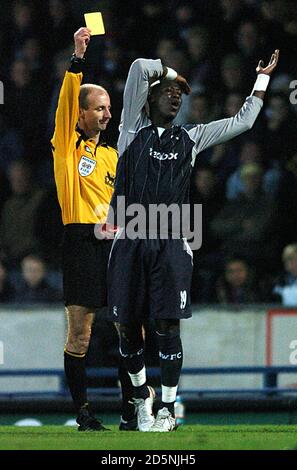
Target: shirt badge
x,y
86,166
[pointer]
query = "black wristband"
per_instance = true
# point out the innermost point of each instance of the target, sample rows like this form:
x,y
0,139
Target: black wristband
x,y
76,59
76,64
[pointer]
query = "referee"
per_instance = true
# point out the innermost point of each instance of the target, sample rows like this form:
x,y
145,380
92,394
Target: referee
x,y
84,173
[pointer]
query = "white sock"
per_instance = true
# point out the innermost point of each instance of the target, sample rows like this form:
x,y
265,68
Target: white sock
x,y
139,378
168,394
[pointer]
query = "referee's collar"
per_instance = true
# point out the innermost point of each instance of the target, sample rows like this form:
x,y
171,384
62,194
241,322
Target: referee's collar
x,y
85,138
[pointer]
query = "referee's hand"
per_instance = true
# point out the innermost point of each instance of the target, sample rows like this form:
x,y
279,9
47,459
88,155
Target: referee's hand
x,y
81,41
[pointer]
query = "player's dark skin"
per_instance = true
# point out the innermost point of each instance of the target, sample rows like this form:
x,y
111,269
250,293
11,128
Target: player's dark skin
x,y
165,99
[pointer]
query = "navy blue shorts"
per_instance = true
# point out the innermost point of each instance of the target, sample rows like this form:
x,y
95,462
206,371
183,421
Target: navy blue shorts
x,y
149,278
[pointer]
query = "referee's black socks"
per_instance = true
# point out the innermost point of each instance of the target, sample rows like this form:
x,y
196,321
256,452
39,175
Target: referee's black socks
x,y
75,371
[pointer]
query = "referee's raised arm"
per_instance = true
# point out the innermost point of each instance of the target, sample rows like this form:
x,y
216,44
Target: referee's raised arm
x,y
68,105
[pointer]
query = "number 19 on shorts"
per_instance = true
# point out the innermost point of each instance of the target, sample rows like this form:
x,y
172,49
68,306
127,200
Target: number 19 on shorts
x,y
183,299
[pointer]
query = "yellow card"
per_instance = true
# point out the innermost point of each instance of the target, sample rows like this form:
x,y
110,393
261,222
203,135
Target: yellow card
x,y
94,21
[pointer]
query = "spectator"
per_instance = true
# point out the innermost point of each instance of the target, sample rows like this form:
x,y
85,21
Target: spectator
x,y
285,288
205,190
184,17
251,153
232,73
23,23
279,138
250,41
24,99
11,146
60,66
165,47
237,284
31,53
34,287
198,44
6,288
247,226
201,109
17,227
4,189
232,12
233,103
60,26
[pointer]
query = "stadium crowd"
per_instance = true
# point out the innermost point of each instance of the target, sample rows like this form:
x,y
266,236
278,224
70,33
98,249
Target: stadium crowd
x,y
248,187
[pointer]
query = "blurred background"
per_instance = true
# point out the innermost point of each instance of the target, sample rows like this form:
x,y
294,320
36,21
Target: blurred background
x,y
248,187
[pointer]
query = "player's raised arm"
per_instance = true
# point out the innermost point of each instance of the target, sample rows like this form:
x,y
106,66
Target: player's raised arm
x,y
142,73
217,132
68,105
136,91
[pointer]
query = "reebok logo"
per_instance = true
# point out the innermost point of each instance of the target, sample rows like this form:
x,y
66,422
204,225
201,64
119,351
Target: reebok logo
x,y
162,155
170,357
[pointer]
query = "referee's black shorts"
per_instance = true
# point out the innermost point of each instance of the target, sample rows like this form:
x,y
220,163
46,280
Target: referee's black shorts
x,y
84,266
149,278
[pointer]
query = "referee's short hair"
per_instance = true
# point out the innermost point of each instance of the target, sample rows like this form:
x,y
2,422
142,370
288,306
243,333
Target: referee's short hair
x,y
85,90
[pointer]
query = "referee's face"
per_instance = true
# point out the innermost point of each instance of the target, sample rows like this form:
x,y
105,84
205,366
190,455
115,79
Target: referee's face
x,y
96,118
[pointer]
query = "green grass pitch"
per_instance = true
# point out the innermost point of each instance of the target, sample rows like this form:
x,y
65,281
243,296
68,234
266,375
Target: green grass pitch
x,y
196,437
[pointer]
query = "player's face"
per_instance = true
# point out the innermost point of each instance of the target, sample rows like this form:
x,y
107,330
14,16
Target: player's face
x,y
97,116
169,100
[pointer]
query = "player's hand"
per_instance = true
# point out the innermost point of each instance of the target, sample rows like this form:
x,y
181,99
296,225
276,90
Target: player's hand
x,y
185,87
271,66
81,41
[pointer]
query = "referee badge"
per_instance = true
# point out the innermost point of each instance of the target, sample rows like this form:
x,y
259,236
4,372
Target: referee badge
x,y
86,166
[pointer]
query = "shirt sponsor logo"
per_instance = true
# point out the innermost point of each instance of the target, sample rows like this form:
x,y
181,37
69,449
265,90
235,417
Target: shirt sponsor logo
x,y
109,179
87,149
162,155
86,166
